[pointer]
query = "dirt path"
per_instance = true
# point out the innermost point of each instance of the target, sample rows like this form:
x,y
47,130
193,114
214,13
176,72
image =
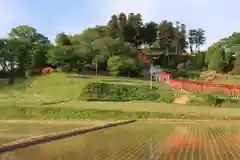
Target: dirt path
x,y
181,99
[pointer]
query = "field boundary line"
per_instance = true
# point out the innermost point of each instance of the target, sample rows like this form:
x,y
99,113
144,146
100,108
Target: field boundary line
x,y
22,143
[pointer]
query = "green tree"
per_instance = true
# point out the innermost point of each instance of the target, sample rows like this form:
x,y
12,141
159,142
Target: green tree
x,y
114,29
25,32
200,38
183,44
165,35
236,68
217,62
3,53
192,38
18,55
114,65
62,39
149,33
68,58
30,46
129,65
122,22
177,37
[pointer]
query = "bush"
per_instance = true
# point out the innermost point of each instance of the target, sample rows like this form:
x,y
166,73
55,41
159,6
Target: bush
x,y
231,103
122,92
114,64
236,68
216,63
213,99
181,67
166,97
200,60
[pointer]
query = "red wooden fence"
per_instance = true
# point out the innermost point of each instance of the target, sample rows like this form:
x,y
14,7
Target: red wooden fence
x,y
231,90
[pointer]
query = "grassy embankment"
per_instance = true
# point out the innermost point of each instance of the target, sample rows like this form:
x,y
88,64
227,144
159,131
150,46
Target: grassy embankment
x,y
57,97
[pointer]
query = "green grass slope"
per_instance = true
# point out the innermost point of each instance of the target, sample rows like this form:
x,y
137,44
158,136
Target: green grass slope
x,y
56,96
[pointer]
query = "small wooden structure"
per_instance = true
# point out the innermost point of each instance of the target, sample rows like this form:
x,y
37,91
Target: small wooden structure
x,y
164,76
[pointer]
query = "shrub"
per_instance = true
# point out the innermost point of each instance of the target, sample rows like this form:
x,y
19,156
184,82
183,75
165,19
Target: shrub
x,y
181,66
236,68
114,64
216,64
122,92
213,99
231,103
200,60
166,97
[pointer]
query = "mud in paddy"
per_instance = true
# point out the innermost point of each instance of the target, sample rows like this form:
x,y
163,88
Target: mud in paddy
x,y
142,140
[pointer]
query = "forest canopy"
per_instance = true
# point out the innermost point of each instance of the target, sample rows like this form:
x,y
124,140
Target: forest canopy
x,y
112,47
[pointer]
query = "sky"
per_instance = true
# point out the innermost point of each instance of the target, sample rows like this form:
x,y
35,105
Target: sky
x,y
219,18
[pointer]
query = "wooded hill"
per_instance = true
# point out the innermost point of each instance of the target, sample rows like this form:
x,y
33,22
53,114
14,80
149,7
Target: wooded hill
x,y
112,46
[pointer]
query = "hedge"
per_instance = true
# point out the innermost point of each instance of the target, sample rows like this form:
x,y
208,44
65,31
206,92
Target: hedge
x,y
123,92
215,100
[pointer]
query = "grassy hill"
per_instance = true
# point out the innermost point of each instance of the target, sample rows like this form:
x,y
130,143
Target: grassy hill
x,y
60,87
56,97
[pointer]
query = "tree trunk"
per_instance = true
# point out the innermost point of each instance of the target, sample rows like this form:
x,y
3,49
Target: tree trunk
x,y
177,48
12,75
96,67
128,73
191,49
167,56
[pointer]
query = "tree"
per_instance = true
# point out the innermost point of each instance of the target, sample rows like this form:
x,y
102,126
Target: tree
x,y
129,65
114,65
236,68
122,22
217,62
182,39
68,58
23,32
192,39
165,35
3,54
177,37
29,45
200,38
18,55
196,37
119,39
132,31
104,48
149,33
28,33
114,30
62,39
86,43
